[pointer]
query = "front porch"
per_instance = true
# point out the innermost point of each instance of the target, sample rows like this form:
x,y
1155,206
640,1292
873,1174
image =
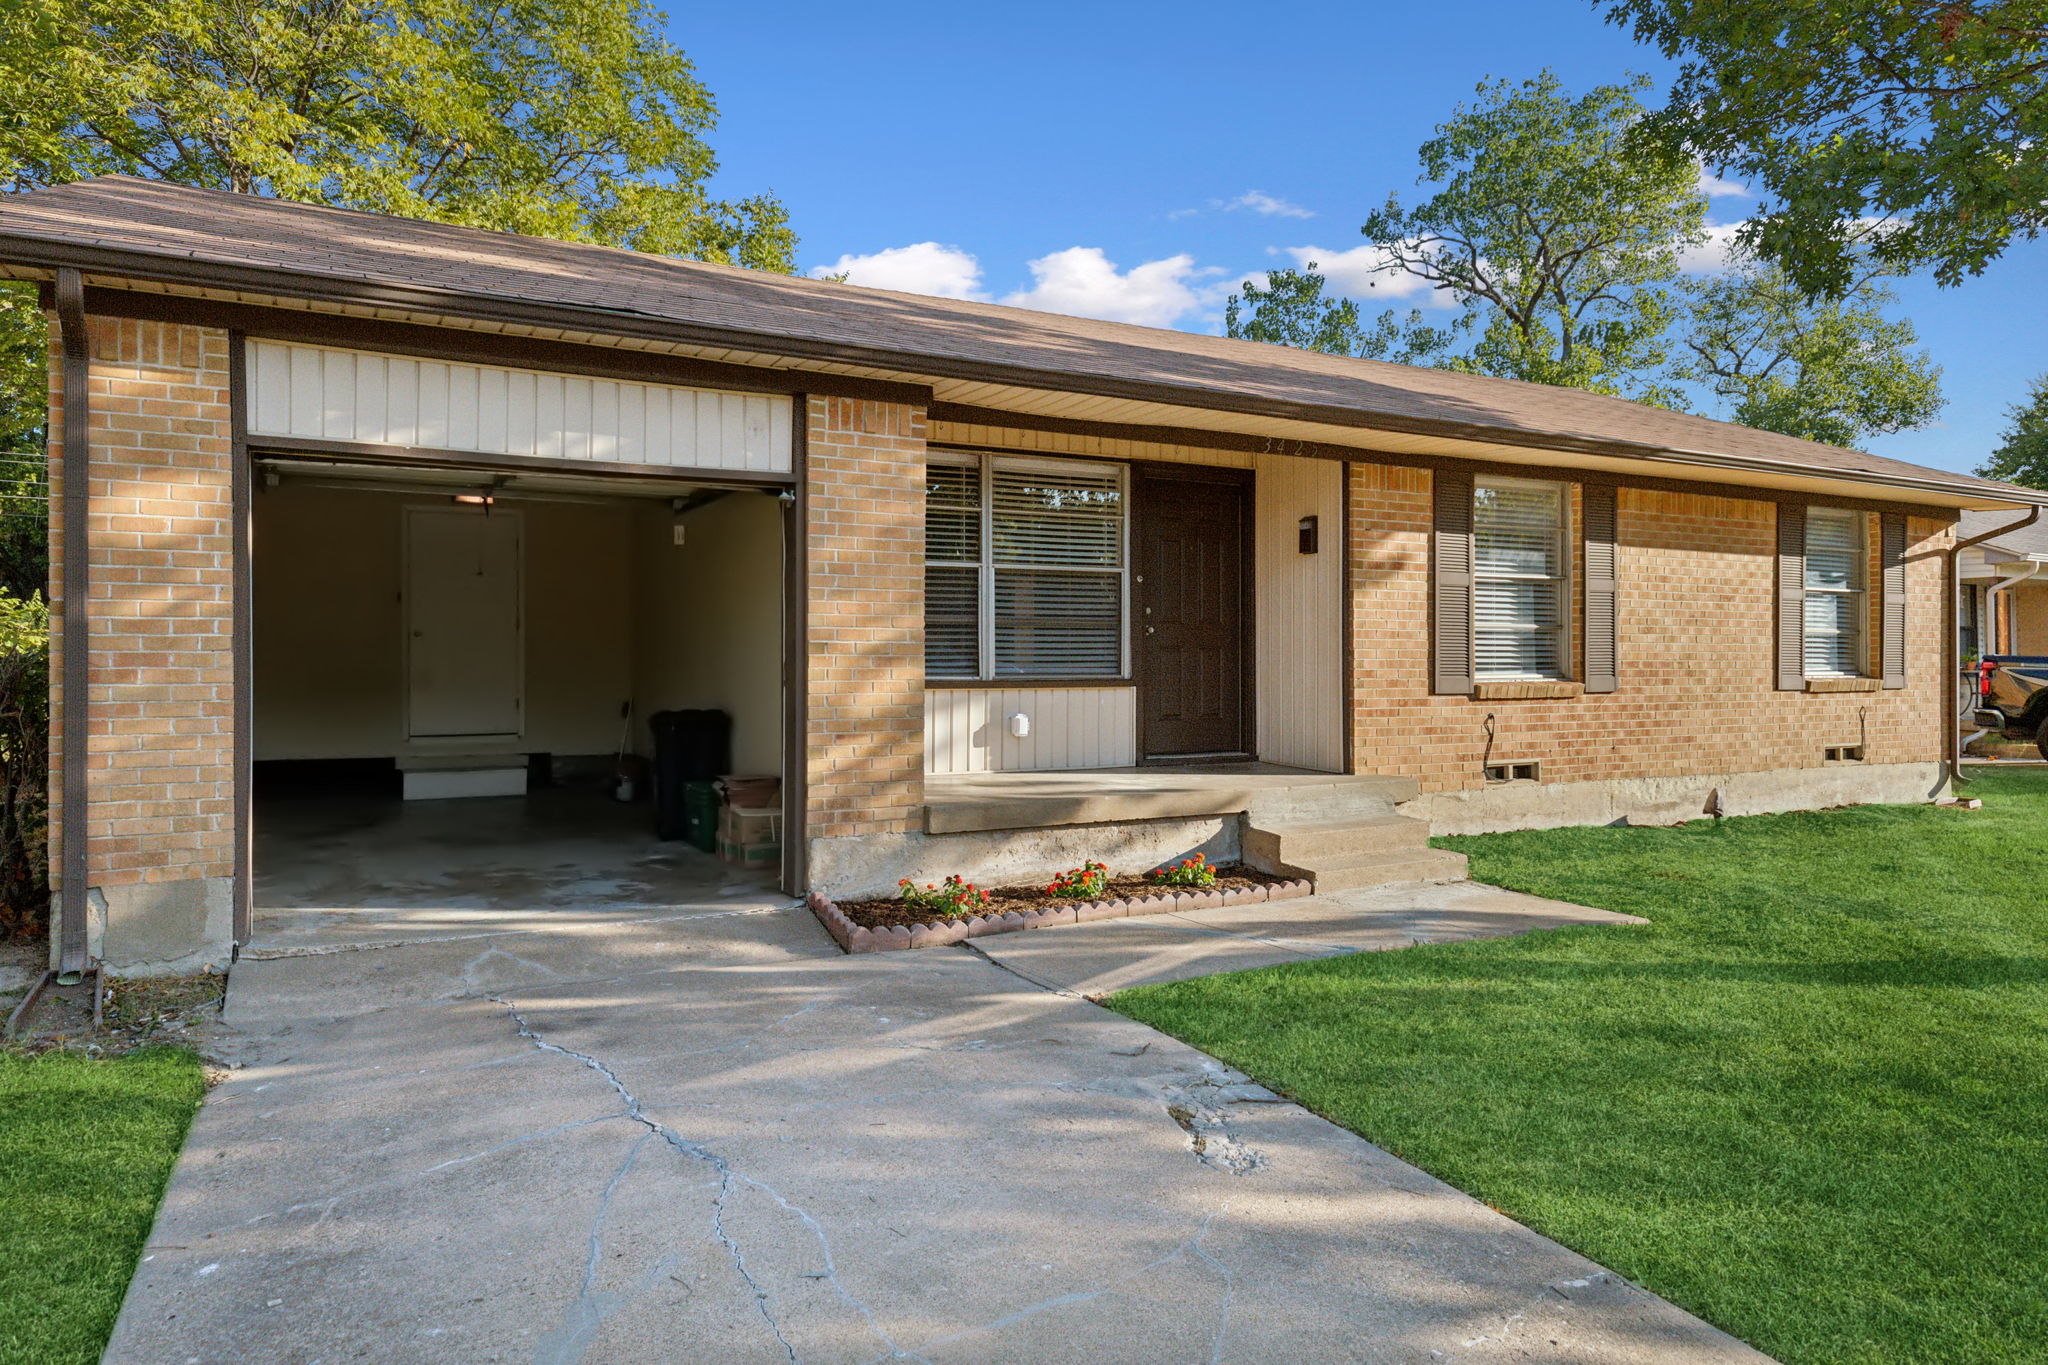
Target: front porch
x,y
959,803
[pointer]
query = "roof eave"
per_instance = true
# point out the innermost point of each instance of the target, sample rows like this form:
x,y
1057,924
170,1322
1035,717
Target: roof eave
x,y
42,252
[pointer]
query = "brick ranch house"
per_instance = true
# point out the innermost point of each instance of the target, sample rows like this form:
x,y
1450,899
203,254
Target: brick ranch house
x,y
991,590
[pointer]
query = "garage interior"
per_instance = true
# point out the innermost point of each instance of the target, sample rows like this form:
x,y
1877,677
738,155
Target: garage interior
x,y
454,671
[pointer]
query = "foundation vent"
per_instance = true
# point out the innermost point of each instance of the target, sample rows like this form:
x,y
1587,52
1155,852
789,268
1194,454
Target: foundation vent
x,y
1531,771
1844,753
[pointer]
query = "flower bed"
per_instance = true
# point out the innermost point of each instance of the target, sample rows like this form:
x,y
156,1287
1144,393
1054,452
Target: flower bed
x,y
870,926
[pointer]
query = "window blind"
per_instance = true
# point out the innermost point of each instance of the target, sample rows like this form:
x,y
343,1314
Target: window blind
x,y
1028,579
1518,571
1832,622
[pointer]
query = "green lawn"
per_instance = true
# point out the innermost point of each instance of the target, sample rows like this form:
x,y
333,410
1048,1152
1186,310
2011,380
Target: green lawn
x,y
1809,1101
85,1148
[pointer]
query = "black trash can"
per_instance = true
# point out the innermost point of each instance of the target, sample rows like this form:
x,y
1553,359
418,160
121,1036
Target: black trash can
x,y
689,746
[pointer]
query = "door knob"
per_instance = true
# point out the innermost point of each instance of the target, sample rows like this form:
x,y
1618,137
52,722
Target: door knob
x,y
1149,629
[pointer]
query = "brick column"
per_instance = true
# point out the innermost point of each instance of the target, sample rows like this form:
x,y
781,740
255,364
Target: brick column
x,y
160,774
865,548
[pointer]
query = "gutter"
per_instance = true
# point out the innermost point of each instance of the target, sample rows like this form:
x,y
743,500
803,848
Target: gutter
x,y
76,455
366,291
1951,737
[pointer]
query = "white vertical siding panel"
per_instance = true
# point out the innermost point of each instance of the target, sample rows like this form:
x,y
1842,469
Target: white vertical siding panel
x,y
465,384
270,379
1300,646
665,408
493,410
433,420
632,442
549,402
337,394
402,401
967,729
307,407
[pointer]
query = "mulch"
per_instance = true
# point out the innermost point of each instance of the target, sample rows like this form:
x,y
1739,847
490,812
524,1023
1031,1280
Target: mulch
x,y
882,914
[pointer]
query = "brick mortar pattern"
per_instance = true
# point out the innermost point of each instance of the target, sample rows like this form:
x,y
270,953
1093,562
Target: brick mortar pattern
x,y
1696,607
864,542
161,715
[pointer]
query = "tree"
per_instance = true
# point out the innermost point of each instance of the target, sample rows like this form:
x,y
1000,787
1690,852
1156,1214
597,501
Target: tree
x,y
1832,370
1291,310
1559,234
560,118
2022,456
1930,116
24,421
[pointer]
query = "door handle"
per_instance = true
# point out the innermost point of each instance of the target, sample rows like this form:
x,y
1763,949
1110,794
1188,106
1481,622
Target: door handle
x,y
1150,629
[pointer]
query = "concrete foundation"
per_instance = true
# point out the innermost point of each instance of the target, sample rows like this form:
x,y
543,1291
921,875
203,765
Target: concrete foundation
x,y
859,868
160,928
1671,800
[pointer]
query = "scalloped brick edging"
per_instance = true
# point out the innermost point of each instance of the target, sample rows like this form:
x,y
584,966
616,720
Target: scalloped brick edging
x,y
853,938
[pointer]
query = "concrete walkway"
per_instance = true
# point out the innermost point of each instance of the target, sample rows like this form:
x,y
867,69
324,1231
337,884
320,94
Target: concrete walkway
x,y
708,1136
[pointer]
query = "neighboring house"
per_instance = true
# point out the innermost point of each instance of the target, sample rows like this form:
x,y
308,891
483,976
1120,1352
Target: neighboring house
x,y
2003,606
334,488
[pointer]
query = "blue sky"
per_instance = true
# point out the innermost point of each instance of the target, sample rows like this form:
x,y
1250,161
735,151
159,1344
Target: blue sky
x,y
1136,160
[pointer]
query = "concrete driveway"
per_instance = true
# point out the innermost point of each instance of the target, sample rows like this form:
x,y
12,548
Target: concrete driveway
x,y
708,1136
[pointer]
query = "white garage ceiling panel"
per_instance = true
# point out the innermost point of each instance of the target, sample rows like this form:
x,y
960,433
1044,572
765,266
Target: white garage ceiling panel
x,y
325,393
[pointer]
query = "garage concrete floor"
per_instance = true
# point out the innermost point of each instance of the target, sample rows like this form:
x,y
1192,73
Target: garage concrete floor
x,y
706,1135
353,869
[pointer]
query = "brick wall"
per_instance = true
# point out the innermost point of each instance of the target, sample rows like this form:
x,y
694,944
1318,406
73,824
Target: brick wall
x,y
865,473
1696,632
161,767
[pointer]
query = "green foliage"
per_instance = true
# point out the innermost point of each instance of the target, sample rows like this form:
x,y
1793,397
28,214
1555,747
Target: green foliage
x,y
24,765
1291,310
1832,369
24,419
1928,115
559,118
1089,881
950,898
1806,1101
1195,871
85,1148
2022,457
1559,235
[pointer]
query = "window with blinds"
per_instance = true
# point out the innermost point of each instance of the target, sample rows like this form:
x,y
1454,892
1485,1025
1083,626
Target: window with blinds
x,y
1024,569
1837,551
1520,568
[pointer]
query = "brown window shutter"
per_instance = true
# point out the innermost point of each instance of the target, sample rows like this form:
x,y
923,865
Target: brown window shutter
x,y
1450,588
1601,654
1892,627
1791,597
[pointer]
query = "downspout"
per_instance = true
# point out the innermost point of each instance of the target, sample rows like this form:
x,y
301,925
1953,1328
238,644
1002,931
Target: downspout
x,y
76,457
1951,737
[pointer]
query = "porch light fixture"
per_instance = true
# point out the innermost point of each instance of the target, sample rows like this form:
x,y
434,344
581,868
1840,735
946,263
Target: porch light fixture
x,y
1309,530
474,499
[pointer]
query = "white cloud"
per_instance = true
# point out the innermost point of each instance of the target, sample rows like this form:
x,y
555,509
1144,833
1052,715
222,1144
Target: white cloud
x,y
1083,281
925,268
1714,187
1268,206
1713,256
1360,273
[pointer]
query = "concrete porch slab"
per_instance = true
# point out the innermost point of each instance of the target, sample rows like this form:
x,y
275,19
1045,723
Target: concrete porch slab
x,y
957,803
1095,959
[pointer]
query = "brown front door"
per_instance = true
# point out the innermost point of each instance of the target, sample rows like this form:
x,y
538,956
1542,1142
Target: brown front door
x,y
1191,606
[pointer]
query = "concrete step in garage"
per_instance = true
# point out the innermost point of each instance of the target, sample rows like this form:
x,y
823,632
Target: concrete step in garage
x,y
1347,854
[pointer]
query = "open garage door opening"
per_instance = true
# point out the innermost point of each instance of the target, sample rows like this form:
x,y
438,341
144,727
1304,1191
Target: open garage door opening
x,y
490,699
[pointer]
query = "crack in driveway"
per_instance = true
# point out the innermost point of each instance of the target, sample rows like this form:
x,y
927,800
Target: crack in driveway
x,y
728,1181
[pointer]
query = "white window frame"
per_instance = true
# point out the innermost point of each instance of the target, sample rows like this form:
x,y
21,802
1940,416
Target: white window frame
x,y
1566,613
1858,591
987,462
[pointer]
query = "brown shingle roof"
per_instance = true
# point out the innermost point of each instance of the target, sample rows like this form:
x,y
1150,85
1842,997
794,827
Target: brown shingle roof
x,y
167,231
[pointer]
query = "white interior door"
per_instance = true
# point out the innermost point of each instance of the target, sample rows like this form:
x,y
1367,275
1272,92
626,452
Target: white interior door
x,y
465,658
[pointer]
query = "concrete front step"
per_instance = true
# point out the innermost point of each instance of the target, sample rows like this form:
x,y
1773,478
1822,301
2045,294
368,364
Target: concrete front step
x,y
1346,854
1298,841
1354,871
